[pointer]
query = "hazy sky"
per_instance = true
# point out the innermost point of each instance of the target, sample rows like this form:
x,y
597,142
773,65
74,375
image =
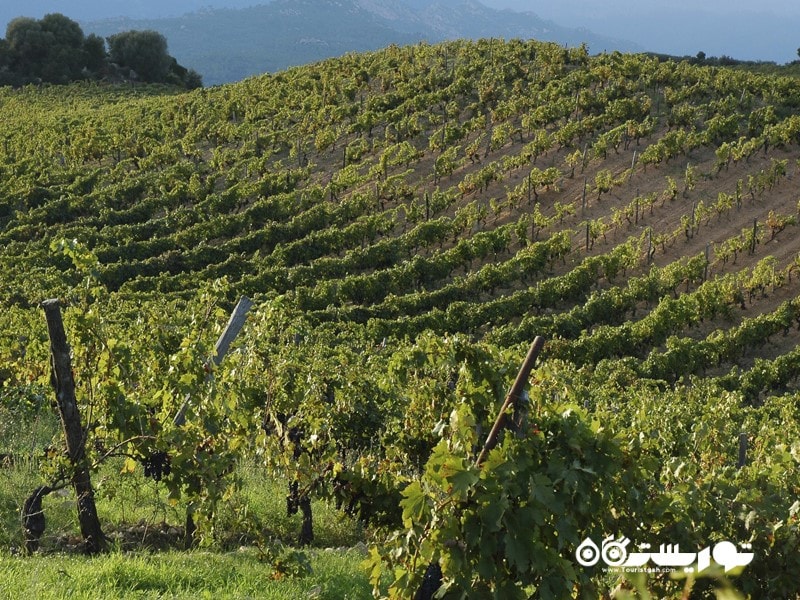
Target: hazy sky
x,y
745,29
718,6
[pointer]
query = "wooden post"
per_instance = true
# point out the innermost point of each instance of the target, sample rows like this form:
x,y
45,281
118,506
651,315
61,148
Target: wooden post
x,y
705,269
64,386
583,200
512,398
742,451
232,329
755,233
587,236
649,245
528,180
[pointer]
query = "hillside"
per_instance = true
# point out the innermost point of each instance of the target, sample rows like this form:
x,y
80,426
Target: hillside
x,y
273,36
406,221
267,175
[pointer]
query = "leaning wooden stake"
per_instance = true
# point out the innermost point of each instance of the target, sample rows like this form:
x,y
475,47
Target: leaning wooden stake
x,y
64,386
232,329
511,399
433,575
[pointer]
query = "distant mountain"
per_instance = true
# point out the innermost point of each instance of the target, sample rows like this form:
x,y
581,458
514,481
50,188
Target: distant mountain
x,y
226,45
92,10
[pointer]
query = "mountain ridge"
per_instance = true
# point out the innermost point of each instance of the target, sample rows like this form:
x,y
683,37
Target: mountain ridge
x,y
271,37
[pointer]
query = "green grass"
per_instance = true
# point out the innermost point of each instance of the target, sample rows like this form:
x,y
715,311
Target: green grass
x,y
136,515
129,506
196,574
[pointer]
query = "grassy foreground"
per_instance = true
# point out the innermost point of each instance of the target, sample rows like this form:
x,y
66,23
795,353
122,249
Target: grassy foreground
x,y
252,555
197,574
146,562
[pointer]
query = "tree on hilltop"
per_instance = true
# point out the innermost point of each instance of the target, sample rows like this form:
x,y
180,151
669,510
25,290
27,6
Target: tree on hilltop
x,y
5,57
51,49
144,52
54,49
95,48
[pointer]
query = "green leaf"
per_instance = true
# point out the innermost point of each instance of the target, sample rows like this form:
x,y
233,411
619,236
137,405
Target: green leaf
x,y
518,549
495,459
414,504
542,491
129,466
728,594
491,514
487,567
795,451
473,531
460,477
373,564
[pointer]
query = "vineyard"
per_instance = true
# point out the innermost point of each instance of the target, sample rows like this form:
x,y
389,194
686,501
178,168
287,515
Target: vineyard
x,y
400,226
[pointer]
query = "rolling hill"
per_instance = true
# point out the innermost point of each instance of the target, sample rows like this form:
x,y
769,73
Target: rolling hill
x,y
284,33
407,220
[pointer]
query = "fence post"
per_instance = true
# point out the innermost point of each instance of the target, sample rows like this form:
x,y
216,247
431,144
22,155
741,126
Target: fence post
x,y
232,329
64,386
742,451
587,236
513,396
433,574
583,196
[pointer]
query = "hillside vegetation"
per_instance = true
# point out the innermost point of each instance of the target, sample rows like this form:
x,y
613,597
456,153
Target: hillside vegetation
x,y
273,36
55,50
406,222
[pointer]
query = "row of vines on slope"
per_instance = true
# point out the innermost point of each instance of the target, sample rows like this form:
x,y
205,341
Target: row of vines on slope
x,y
406,221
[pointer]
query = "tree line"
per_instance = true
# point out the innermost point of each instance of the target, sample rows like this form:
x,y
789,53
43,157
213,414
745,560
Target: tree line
x,y
55,49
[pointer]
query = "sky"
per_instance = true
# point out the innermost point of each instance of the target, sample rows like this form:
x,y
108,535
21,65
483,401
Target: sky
x,y
718,6
743,29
